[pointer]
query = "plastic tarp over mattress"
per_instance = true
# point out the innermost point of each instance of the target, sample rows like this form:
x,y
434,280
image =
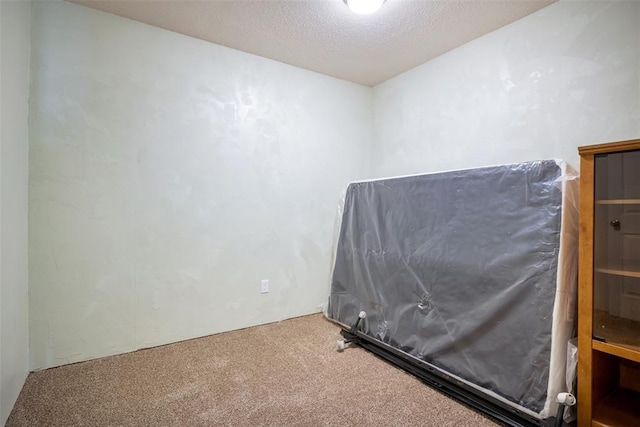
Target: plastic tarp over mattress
x,y
471,271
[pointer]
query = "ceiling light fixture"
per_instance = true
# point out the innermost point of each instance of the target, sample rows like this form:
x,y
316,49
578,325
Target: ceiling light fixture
x,y
364,7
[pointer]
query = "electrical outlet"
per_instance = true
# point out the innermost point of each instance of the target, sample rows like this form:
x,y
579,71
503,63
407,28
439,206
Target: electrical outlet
x,y
265,286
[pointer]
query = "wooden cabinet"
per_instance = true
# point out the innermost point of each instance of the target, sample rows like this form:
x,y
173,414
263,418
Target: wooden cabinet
x,y
609,285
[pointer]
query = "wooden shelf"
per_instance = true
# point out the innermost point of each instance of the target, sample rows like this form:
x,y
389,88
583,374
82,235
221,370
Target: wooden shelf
x,y
618,334
629,352
617,272
619,408
618,202
623,267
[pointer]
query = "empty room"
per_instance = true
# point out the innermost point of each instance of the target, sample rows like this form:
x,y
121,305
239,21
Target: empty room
x,y
319,212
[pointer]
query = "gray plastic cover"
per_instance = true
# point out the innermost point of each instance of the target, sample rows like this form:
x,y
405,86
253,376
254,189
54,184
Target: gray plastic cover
x,y
472,271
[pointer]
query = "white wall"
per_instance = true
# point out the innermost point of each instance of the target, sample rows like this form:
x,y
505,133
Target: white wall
x,y
14,142
168,176
566,76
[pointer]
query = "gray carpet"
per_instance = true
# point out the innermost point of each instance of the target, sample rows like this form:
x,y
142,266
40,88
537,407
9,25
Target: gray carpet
x,y
283,374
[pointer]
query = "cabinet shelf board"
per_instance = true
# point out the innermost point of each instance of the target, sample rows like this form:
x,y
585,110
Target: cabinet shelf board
x,y
618,202
616,333
617,272
619,408
628,352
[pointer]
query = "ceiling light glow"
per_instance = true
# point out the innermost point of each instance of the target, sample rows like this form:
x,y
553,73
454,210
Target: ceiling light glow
x,y
364,7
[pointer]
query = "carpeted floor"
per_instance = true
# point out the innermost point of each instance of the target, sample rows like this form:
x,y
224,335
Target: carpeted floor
x,y
283,374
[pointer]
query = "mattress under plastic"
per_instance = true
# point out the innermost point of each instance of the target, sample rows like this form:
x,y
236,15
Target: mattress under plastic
x,y
471,271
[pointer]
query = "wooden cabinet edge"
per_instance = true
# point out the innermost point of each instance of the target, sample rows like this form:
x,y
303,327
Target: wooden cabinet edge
x,y
610,147
585,289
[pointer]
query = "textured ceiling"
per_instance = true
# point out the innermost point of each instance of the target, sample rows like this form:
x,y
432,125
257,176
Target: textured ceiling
x,y
324,35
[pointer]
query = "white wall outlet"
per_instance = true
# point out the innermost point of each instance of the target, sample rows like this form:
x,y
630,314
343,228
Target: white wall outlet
x,y
265,286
